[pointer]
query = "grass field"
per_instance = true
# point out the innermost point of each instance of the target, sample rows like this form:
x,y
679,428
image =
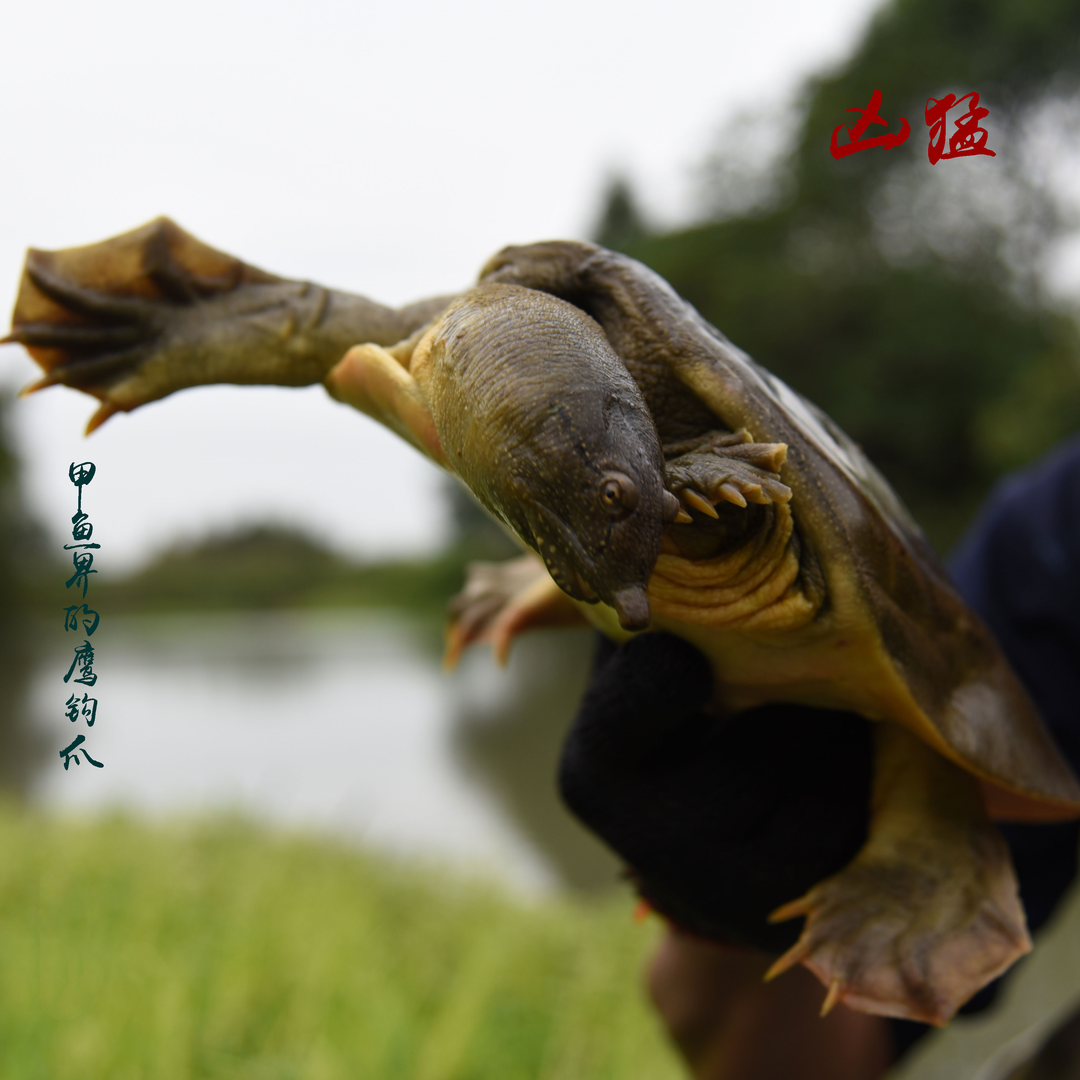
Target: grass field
x,y
217,949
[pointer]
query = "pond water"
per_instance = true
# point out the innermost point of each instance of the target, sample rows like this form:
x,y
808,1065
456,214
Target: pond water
x,y
344,724
338,722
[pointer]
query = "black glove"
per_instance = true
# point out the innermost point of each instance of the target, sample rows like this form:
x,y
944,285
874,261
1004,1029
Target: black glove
x,y
719,821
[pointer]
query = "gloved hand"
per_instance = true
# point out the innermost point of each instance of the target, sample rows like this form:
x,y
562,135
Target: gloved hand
x,y
720,821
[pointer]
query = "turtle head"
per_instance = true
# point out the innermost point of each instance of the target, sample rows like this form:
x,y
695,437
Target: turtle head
x,y
544,423
596,508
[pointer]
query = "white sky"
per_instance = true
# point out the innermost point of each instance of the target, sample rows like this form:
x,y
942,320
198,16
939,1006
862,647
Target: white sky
x,y
387,149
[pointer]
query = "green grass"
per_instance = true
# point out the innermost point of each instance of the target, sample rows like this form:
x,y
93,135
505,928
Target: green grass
x,y
218,950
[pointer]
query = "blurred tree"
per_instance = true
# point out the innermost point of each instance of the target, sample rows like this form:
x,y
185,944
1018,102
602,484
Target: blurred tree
x,y
904,298
252,566
23,566
23,556
621,223
273,566
475,533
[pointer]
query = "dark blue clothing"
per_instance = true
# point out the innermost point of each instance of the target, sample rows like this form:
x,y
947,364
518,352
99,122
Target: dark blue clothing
x,y
1019,568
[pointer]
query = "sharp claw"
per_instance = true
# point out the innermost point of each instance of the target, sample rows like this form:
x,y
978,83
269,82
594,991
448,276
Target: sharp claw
x,y
832,997
795,955
731,494
699,503
767,456
105,410
780,493
791,911
40,384
756,494
455,646
683,518
774,458
501,642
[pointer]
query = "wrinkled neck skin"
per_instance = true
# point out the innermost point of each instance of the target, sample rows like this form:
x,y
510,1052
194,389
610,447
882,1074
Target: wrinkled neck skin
x,y
539,417
644,319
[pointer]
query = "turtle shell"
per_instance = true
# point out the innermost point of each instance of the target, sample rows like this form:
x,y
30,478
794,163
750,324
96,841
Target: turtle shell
x,y
864,617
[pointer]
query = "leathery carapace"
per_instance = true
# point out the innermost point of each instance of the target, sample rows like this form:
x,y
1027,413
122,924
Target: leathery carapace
x,y
666,482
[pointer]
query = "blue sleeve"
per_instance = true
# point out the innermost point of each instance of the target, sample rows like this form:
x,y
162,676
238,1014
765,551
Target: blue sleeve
x,y
1019,568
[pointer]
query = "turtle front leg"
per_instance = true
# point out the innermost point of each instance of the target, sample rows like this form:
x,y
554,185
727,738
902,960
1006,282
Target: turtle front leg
x,y
927,913
374,381
137,317
728,467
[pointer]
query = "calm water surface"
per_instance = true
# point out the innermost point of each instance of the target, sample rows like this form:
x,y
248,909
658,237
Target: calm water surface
x,y
339,722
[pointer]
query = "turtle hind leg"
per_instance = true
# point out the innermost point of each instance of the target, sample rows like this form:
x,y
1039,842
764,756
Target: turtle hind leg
x,y
928,912
726,467
502,600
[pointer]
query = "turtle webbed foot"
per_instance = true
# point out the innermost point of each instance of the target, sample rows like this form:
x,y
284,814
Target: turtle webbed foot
x,y
139,316
727,468
500,601
914,935
86,339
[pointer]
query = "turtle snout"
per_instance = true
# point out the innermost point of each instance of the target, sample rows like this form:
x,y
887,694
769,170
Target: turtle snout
x,y
632,606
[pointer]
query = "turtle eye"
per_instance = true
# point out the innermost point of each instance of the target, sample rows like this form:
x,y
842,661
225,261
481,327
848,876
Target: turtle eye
x,y
618,493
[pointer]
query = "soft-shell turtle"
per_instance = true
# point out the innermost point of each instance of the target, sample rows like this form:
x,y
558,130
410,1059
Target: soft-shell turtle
x,y
785,557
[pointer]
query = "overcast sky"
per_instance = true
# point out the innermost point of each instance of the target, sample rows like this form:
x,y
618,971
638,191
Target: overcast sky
x,y
386,149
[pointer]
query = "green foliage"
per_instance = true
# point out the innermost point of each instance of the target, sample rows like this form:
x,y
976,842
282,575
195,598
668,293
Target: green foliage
x,y
21,542
214,951
1013,52
944,381
476,534
22,562
945,363
621,222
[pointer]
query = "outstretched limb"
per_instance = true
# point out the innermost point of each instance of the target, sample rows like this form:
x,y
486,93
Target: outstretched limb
x,y
500,601
927,913
137,317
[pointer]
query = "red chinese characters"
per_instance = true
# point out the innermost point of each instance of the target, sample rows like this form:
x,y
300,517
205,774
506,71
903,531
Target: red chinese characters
x,y
969,139
857,130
